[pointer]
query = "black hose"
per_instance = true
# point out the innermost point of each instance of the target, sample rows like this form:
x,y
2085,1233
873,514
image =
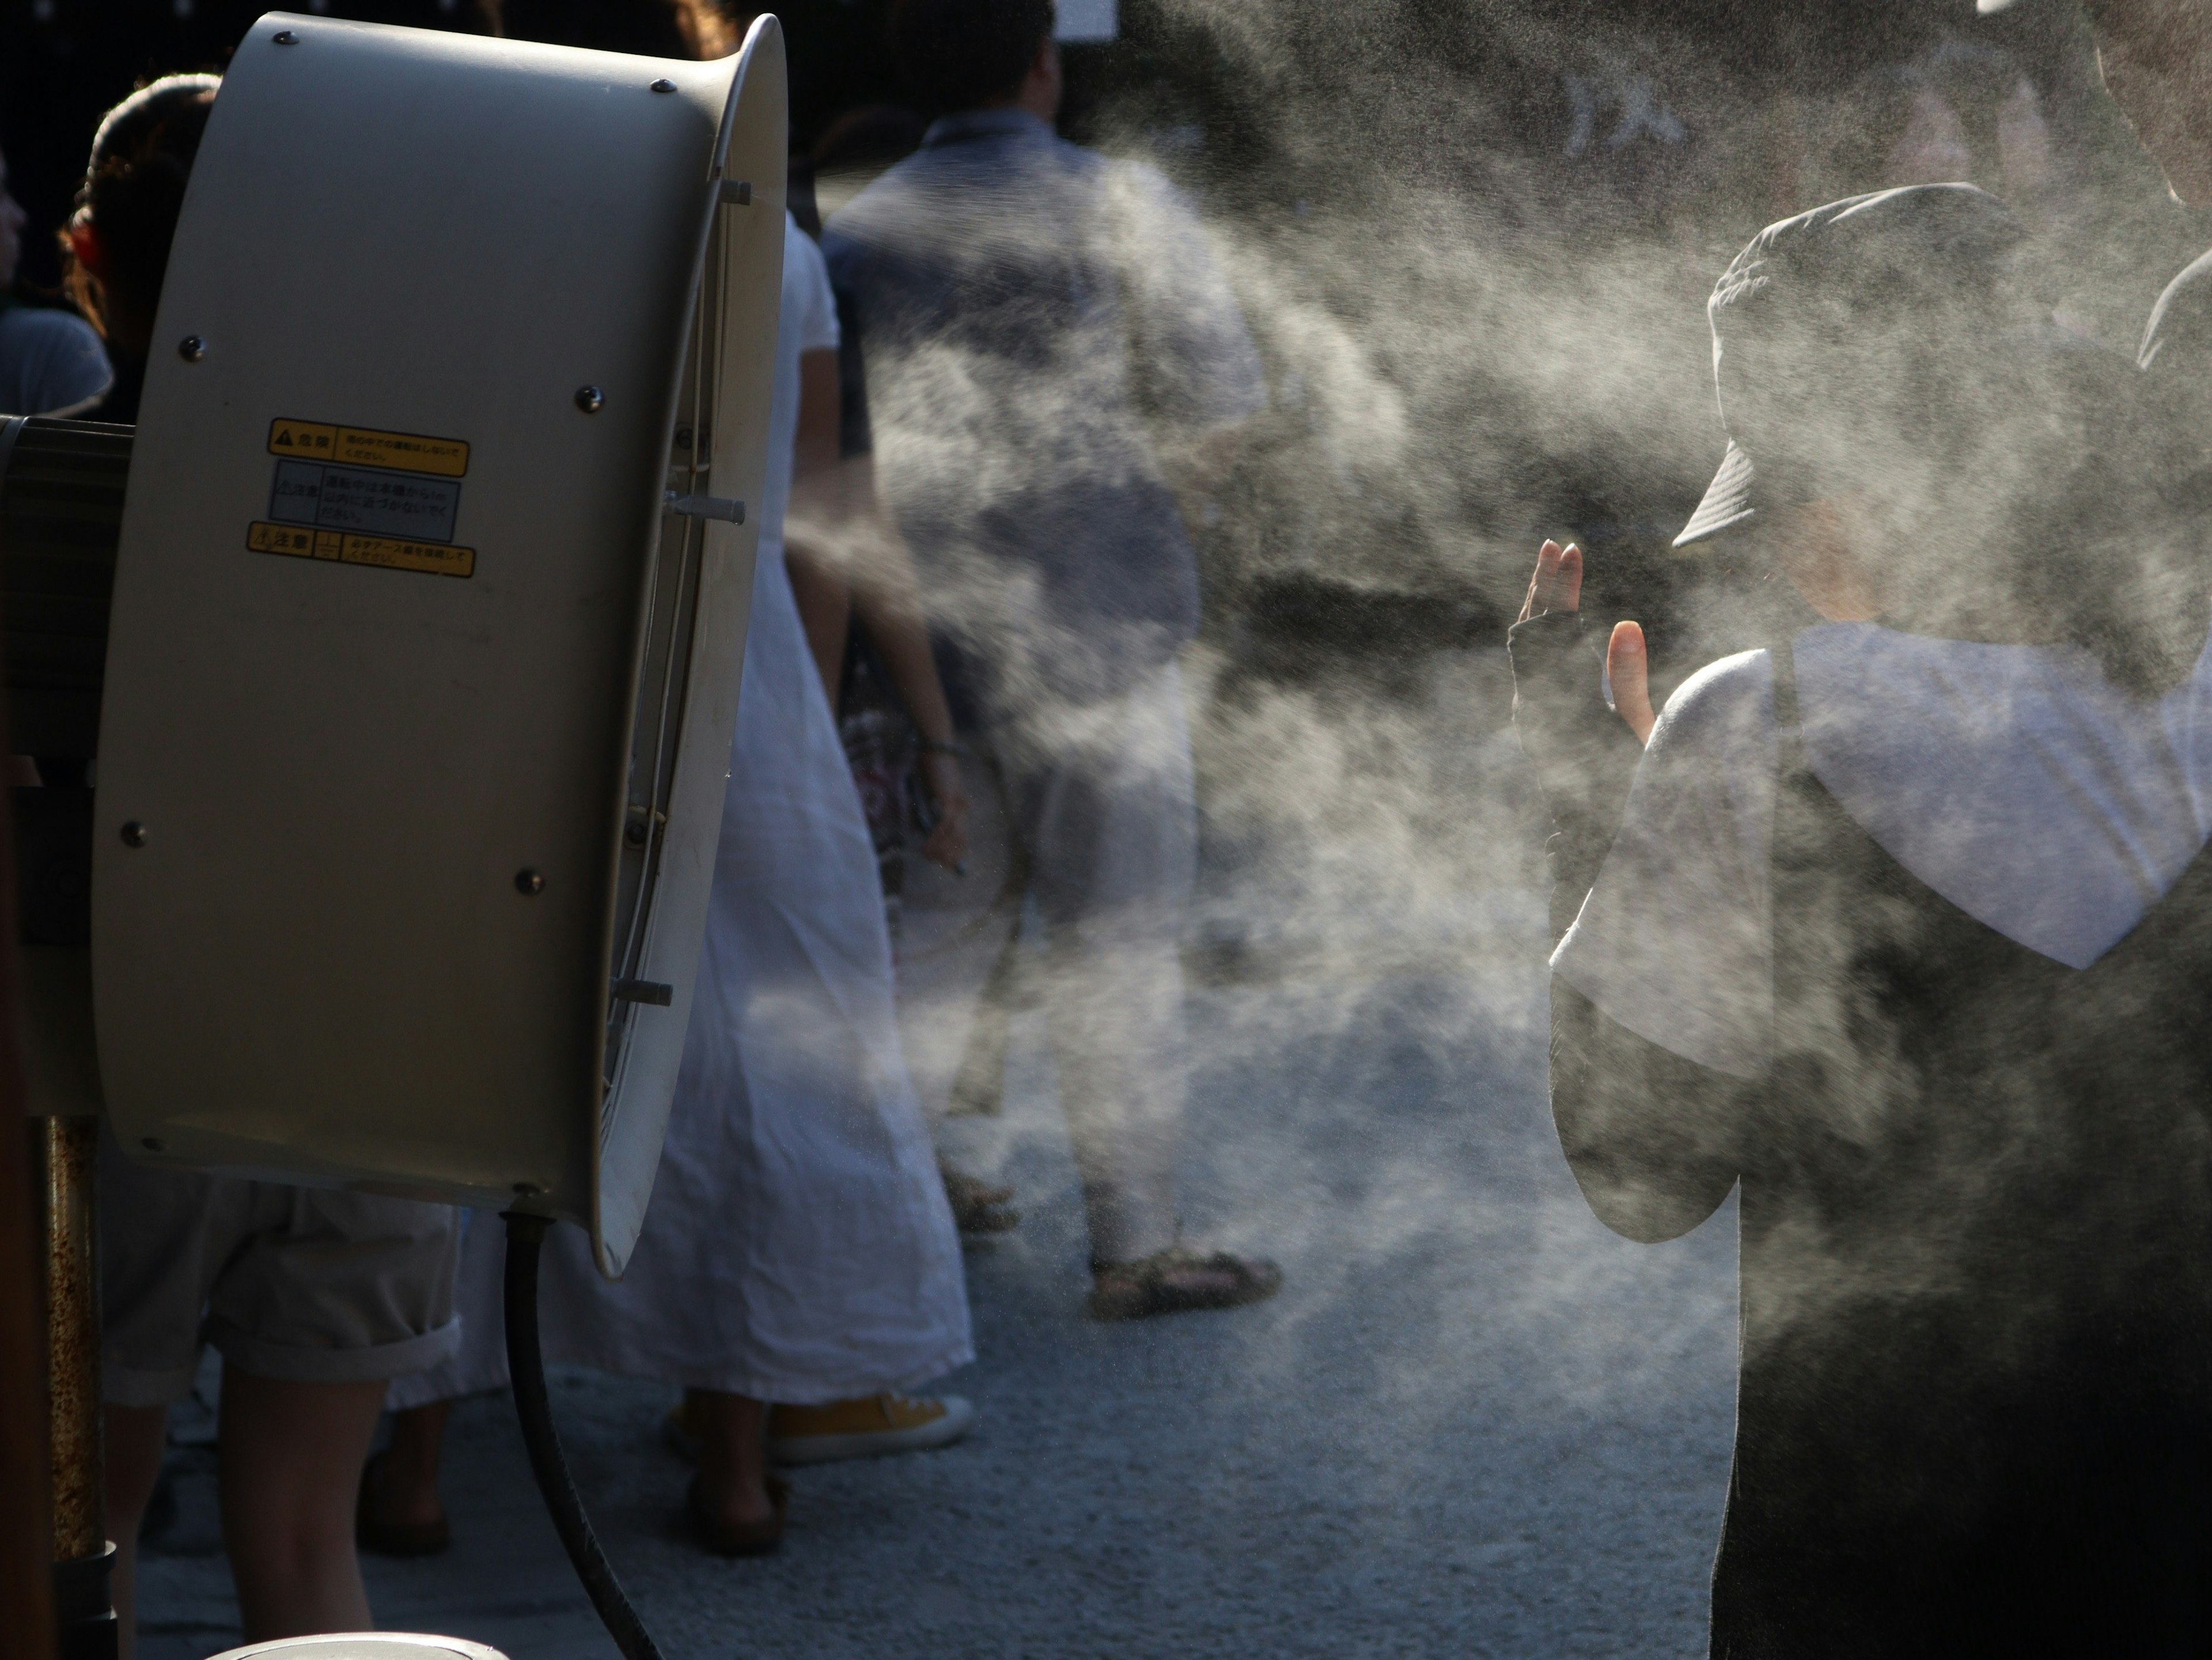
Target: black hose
x,y
526,1365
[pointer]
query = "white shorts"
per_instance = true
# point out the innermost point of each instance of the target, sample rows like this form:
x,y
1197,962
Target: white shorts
x,y
302,1285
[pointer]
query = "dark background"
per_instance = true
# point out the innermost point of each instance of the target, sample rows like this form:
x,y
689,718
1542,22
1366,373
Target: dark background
x,y
64,62
1351,120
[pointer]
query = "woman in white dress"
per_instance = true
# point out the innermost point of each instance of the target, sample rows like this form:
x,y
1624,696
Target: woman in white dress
x,y
799,1249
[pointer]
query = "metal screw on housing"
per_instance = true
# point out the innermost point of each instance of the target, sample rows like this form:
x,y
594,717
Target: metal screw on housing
x,y
663,85
191,349
285,37
133,834
529,881
590,400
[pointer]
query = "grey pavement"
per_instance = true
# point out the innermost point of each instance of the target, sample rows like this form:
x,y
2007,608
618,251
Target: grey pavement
x,y
1473,1423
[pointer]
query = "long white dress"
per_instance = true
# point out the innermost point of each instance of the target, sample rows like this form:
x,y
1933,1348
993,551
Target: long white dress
x,y
799,1248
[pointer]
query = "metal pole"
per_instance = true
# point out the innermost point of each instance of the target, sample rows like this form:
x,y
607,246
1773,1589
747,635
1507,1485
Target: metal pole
x,y
84,1611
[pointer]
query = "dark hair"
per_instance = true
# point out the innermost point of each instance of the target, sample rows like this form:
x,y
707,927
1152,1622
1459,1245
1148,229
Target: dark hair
x,y
957,54
134,188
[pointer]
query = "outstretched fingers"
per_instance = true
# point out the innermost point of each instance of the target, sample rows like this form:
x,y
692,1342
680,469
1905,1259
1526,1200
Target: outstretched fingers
x,y
1628,671
1557,583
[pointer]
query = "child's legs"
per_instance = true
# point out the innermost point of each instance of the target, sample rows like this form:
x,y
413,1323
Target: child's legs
x,y
327,1298
290,1458
405,1489
337,1293
163,1238
137,1436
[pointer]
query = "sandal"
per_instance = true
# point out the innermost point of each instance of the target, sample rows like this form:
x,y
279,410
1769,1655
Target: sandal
x,y
372,1532
979,1207
739,1538
1162,1283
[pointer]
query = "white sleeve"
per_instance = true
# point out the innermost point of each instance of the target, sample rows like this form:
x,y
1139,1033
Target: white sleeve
x,y
807,287
1675,941
67,371
1193,354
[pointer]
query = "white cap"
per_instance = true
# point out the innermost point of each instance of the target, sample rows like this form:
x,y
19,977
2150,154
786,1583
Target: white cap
x,y
1986,7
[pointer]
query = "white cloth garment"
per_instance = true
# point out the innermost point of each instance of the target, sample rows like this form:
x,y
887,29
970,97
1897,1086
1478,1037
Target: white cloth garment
x,y
799,1247
2015,781
51,362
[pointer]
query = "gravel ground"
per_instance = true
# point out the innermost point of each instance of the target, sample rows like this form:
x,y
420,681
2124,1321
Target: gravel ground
x,y
1473,1424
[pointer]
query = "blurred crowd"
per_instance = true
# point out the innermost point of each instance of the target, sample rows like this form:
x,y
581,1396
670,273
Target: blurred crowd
x,y
1030,406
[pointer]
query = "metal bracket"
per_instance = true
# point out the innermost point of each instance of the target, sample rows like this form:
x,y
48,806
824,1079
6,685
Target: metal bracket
x,y
644,991
707,507
737,193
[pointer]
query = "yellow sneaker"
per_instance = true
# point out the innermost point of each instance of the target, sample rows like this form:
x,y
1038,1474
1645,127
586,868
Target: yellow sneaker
x,y
868,1426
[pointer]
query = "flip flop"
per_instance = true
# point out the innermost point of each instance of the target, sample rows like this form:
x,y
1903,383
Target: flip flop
x,y
1140,1290
979,1207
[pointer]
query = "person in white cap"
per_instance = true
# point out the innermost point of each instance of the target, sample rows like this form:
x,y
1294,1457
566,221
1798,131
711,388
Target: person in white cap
x,y
1902,933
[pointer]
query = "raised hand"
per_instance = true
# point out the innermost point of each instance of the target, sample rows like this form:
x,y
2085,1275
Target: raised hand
x,y
1627,671
1556,586
1557,583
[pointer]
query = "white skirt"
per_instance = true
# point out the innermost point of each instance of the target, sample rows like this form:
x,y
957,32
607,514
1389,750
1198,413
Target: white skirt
x,y
799,1248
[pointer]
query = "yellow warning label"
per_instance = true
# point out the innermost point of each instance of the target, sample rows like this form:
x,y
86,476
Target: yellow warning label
x,y
307,438
439,558
362,447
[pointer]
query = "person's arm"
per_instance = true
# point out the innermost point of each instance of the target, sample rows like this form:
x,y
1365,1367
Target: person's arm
x,y
825,613
853,555
887,600
822,594
1584,754
1656,1141
1663,991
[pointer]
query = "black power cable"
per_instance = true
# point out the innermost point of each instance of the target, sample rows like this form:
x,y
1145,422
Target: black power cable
x,y
526,1365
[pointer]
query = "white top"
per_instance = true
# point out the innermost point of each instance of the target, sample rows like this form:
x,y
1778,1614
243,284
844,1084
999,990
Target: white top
x,y
808,323
50,363
2015,781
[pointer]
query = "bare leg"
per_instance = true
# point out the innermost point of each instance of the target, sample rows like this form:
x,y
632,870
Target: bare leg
x,y
732,1433
136,1438
291,1456
405,1493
